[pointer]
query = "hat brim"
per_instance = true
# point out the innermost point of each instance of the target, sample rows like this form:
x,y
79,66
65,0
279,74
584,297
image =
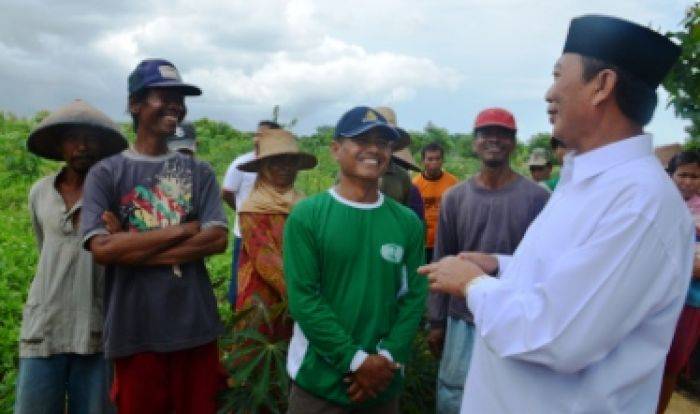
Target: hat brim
x,y
305,161
44,143
405,164
391,132
186,88
496,124
403,141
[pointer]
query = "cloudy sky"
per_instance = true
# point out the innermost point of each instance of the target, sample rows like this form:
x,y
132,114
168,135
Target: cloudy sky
x,y
439,61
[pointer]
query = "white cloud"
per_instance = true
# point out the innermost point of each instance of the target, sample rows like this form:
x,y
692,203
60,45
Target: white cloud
x,y
278,57
439,61
333,70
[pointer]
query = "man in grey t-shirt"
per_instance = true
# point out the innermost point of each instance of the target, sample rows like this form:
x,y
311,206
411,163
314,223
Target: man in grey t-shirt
x,y
488,213
152,216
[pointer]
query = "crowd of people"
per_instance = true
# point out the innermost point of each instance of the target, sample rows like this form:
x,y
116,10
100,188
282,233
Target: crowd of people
x,y
555,294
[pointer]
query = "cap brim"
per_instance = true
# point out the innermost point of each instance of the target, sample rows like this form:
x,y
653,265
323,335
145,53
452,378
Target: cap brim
x,y
187,89
44,142
306,161
393,134
182,144
496,124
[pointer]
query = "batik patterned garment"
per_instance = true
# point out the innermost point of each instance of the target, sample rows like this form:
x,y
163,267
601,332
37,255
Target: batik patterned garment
x,y
260,264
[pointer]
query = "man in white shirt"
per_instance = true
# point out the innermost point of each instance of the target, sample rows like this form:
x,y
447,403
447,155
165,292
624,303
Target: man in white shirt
x,y
234,191
583,313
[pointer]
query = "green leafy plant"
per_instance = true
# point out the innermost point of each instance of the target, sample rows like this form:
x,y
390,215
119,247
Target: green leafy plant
x,y
683,82
256,363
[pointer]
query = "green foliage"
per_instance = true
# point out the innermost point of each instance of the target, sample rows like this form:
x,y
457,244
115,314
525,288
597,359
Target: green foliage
x,y
255,363
683,82
541,140
418,396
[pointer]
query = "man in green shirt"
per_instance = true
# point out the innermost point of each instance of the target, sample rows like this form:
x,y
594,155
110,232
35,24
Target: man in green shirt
x,y
350,260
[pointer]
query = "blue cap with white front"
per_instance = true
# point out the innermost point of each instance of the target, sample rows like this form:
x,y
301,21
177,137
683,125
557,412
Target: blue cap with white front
x,y
361,119
159,73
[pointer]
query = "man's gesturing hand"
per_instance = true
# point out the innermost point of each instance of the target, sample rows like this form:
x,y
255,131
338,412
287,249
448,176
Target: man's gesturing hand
x,y
450,275
488,263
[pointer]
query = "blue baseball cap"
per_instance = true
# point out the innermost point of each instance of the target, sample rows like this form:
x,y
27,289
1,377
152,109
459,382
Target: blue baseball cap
x,y
361,119
159,73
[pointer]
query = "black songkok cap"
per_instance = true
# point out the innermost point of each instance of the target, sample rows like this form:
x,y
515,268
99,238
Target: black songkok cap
x,y
629,46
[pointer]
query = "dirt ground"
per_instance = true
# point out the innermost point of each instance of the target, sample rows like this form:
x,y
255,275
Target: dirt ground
x,y
682,404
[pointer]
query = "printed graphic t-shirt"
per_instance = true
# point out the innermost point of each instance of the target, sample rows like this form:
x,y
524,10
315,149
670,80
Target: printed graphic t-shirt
x,y
152,308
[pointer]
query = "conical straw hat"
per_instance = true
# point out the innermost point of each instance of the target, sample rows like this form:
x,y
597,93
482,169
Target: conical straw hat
x,y
44,141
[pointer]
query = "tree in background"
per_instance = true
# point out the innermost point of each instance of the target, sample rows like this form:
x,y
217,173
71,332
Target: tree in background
x,y
276,116
683,82
539,140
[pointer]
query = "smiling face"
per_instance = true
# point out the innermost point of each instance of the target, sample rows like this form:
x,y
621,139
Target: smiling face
x,y
493,145
160,111
365,157
570,101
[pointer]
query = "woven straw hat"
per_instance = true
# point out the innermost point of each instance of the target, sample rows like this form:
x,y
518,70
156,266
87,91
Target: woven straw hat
x,y
275,142
538,158
390,116
45,140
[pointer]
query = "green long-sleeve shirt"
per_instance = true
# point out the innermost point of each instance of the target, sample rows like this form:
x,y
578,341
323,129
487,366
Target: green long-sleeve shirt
x,y
351,278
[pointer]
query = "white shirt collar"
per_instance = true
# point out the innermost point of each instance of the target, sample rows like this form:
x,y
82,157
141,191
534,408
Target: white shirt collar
x,y
355,204
581,167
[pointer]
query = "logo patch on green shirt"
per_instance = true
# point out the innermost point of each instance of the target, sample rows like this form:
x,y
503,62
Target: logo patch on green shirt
x,y
392,252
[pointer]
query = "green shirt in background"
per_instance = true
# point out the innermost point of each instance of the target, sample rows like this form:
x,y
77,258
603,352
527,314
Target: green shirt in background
x,y
552,182
352,284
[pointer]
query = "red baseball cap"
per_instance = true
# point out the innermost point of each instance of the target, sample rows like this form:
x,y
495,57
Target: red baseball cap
x,y
495,117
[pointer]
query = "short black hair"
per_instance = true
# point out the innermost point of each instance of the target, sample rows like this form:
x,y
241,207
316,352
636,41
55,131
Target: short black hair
x,y
682,158
635,98
433,146
136,97
269,124
556,143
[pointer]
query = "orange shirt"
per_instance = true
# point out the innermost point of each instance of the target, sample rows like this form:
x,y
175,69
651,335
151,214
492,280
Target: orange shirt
x,y
431,191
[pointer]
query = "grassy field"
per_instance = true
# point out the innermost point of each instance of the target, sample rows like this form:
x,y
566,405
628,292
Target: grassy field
x,y
219,143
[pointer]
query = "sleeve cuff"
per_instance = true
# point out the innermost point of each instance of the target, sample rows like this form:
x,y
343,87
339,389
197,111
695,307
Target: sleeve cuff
x,y
358,360
386,354
209,224
503,262
476,290
91,234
